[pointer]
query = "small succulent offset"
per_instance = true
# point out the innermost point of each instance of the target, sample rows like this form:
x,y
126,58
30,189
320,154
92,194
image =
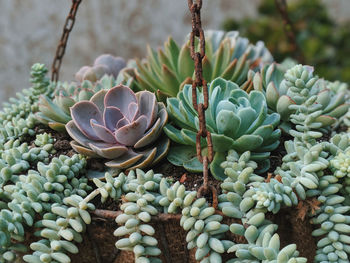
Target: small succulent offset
x,y
105,64
55,112
227,55
237,121
121,126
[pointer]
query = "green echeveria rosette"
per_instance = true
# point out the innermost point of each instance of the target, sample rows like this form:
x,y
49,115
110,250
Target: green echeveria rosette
x,y
55,112
120,126
237,121
166,71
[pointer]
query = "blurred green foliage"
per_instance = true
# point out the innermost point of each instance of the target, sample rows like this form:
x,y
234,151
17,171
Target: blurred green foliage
x,y
324,44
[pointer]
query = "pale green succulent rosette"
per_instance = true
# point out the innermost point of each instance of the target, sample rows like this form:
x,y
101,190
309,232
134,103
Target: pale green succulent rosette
x,y
237,121
166,72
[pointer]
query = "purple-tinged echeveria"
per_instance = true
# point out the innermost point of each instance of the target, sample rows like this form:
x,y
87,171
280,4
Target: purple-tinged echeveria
x,y
121,126
105,64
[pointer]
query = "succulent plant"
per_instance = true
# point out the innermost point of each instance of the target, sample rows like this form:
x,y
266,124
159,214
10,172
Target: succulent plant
x,y
56,112
26,193
105,64
17,117
240,176
236,120
137,211
298,85
268,78
287,84
121,126
263,244
227,55
204,226
61,228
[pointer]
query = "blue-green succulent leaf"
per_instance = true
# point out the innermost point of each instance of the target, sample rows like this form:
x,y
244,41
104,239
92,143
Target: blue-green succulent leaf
x,y
227,123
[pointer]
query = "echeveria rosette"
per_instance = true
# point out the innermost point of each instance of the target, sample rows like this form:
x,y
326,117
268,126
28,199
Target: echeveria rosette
x,y
120,126
237,121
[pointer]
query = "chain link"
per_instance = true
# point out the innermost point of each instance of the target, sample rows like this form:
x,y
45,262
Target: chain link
x,y
197,56
61,48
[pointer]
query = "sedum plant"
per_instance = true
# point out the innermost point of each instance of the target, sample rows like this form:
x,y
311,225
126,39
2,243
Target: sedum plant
x,y
105,64
237,121
30,183
227,55
55,112
297,86
263,244
17,117
138,207
120,126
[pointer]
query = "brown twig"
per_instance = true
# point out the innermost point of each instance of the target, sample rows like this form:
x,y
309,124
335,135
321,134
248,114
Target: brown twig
x,y
109,214
289,29
113,214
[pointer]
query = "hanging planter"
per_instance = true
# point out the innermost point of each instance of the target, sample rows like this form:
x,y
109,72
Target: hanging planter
x,y
208,152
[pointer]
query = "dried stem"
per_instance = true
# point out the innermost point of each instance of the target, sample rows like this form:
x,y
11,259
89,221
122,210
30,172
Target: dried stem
x,y
109,214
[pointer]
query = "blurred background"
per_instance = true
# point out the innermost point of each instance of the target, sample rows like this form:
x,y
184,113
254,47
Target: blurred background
x,y
30,30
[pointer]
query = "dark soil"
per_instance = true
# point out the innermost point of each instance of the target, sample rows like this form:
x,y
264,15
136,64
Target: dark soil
x,y
342,128
277,155
95,164
192,181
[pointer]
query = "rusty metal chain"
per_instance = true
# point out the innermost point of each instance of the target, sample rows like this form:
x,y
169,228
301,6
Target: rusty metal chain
x,y
61,48
197,56
289,29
